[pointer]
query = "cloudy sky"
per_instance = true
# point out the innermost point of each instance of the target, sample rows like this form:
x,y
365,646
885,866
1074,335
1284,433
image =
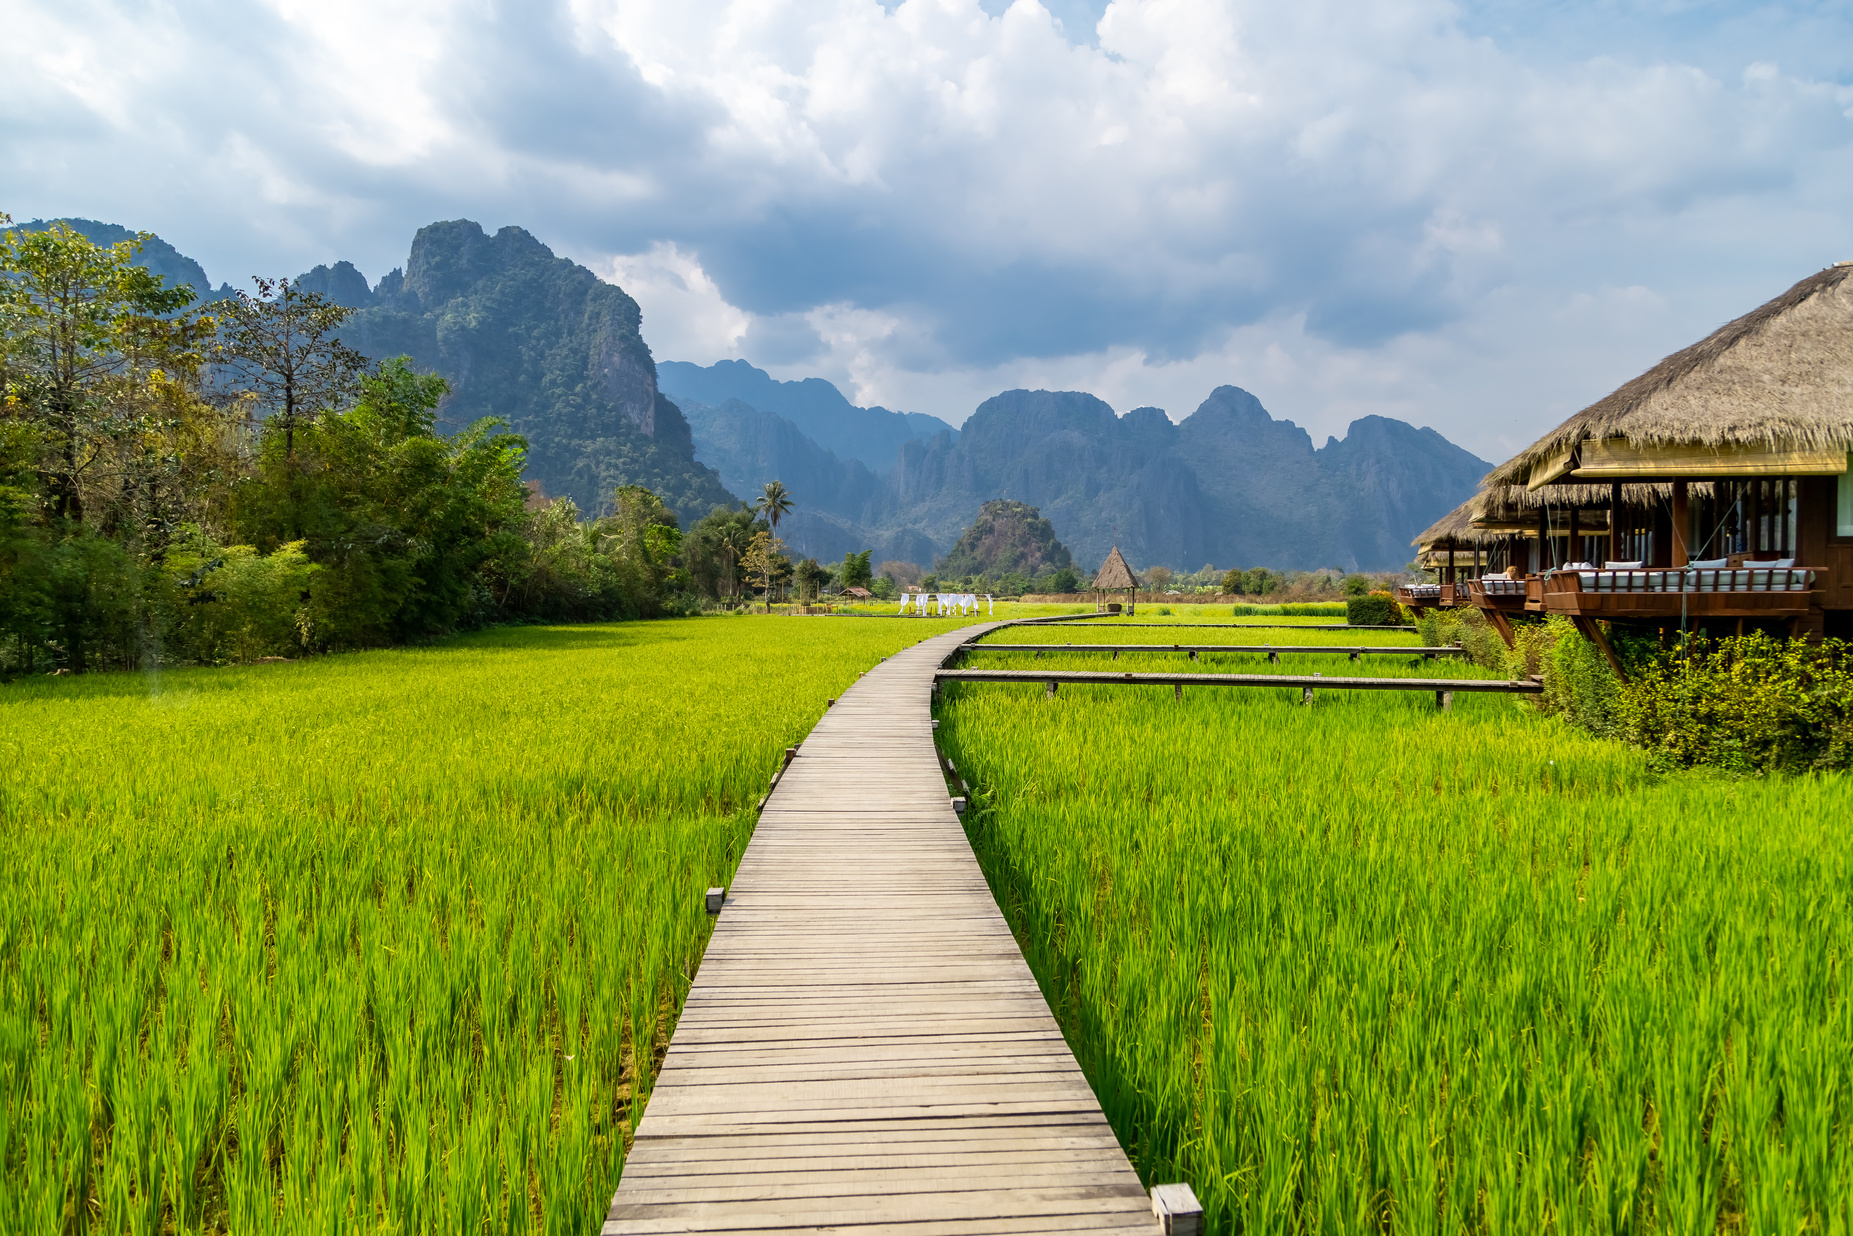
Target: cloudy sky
x,y
1476,216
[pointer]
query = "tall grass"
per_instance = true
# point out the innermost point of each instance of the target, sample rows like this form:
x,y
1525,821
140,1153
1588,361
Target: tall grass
x,y
391,941
1364,965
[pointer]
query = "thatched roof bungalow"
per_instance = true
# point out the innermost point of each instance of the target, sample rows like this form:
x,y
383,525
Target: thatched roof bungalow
x,y
1770,393
1733,451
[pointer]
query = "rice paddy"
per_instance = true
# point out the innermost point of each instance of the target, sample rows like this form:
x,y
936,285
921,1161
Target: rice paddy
x,y
1365,966
395,941
388,942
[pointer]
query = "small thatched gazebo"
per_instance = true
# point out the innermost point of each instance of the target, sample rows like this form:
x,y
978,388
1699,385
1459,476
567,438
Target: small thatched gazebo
x,y
1115,576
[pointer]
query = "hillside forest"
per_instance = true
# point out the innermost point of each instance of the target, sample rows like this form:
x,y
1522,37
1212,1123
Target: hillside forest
x,y
188,482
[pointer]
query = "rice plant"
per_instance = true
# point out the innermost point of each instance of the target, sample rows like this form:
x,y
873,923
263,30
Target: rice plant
x,y
391,941
1367,966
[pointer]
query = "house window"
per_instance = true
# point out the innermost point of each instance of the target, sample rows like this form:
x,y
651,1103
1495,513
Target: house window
x,y
1843,520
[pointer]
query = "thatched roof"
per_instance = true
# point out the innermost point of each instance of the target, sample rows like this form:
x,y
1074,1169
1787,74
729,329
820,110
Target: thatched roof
x,y
1457,526
1780,376
1115,575
1493,499
1505,503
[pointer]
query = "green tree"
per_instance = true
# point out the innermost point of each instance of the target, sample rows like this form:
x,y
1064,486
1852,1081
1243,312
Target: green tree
x,y
856,571
715,548
810,577
765,557
413,530
280,349
773,505
81,325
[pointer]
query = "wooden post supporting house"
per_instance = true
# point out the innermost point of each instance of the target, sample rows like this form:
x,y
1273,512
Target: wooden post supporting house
x,y
1682,521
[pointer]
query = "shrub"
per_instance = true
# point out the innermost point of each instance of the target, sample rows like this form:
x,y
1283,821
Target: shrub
x,y
1375,609
1472,632
1748,704
233,604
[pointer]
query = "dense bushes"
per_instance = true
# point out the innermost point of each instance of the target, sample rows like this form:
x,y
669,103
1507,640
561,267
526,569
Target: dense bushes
x,y
1373,609
1748,704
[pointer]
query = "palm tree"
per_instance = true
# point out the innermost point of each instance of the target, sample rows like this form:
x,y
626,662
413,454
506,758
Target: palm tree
x,y
774,505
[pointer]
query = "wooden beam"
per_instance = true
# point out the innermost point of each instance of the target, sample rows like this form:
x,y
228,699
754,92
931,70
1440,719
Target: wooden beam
x,y
1617,459
1273,651
1306,682
1615,534
1501,624
1592,631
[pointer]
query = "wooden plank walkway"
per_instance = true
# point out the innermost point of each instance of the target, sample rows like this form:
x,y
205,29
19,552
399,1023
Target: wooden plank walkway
x,y
864,1047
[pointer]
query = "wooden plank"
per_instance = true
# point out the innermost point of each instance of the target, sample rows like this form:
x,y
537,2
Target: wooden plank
x,y
863,1046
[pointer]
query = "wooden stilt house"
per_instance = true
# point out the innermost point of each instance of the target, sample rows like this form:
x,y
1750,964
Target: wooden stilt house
x,y
1457,552
1115,577
1712,491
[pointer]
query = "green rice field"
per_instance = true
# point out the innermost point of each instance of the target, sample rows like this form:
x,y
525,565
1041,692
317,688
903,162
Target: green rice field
x,y
387,942
1366,966
394,941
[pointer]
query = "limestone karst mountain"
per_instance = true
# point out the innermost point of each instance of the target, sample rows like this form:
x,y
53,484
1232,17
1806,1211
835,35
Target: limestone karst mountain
x,y
544,343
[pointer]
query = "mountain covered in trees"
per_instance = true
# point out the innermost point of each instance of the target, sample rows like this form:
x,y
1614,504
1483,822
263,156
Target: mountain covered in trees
x,y
538,340
1007,538
1229,484
155,256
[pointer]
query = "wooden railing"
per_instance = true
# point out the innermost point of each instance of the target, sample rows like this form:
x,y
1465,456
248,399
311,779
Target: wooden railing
x,y
1685,579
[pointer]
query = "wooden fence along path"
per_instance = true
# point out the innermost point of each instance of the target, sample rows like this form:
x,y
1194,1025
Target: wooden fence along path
x,y
1444,688
1273,651
864,1048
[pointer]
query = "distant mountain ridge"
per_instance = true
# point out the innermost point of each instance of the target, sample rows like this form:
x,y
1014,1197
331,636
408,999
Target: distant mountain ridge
x,y
157,256
545,344
874,436
1228,485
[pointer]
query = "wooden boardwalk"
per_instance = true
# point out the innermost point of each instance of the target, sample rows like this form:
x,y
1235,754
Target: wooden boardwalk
x,y
864,1048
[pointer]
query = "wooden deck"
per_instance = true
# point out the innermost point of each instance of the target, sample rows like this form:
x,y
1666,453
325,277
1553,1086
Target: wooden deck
x,y
864,1048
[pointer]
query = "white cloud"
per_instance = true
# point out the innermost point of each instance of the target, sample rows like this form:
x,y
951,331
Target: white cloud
x,y
1346,207
684,312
